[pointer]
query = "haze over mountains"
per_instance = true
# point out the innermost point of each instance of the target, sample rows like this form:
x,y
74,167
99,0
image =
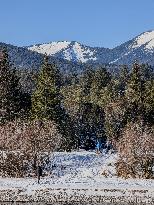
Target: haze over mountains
x,y
72,54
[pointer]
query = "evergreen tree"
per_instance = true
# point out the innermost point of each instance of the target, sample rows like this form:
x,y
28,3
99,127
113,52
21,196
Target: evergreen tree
x,y
149,102
100,80
86,83
113,101
10,91
135,93
115,118
123,79
90,124
90,115
147,72
47,101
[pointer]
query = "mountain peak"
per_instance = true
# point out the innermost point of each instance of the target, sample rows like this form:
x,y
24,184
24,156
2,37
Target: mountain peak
x,y
50,48
146,39
69,50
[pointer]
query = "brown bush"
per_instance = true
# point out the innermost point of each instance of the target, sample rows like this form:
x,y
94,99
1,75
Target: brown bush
x,y
28,139
136,150
24,136
12,165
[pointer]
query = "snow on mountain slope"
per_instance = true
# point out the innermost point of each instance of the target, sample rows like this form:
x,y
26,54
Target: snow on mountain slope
x,y
79,52
50,48
72,51
140,48
146,39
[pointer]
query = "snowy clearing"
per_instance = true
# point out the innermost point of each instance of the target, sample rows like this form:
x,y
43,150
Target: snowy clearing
x,y
80,173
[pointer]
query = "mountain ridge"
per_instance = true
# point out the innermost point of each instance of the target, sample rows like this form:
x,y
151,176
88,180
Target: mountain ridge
x,y
75,51
71,56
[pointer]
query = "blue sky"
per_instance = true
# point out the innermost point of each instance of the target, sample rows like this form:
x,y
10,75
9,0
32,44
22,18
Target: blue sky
x,y
104,23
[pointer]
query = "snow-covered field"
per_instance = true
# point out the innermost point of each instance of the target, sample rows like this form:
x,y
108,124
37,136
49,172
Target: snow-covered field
x,y
82,171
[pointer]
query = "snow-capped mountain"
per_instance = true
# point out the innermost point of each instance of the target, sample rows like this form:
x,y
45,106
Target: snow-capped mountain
x,y
72,51
146,39
140,48
70,55
50,48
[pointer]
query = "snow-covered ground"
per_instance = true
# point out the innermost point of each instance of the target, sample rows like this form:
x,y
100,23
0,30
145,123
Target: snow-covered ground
x,y
80,170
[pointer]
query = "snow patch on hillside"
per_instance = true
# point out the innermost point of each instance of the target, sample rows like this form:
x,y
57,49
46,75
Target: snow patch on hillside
x,y
79,53
150,45
50,48
146,39
72,51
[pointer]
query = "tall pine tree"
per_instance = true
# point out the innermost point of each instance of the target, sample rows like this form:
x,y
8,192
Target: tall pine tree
x,y
46,99
47,102
10,92
135,93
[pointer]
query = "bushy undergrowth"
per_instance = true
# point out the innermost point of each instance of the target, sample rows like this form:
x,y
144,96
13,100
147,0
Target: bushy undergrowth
x,y
136,149
22,143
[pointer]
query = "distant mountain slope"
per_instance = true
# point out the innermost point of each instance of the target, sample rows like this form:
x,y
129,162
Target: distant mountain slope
x,y
73,56
72,51
23,58
140,48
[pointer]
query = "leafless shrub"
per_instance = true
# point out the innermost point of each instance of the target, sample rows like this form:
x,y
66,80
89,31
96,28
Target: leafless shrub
x,y
12,165
136,152
30,140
